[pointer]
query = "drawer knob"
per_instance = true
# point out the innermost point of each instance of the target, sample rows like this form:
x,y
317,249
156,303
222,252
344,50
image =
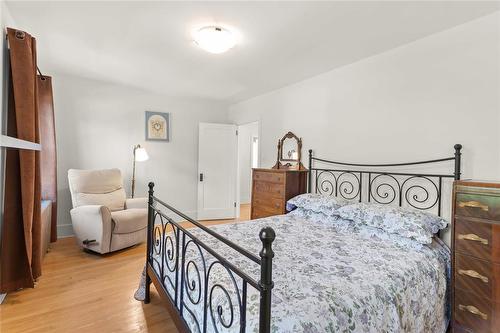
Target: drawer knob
x,y
473,237
472,309
473,274
473,204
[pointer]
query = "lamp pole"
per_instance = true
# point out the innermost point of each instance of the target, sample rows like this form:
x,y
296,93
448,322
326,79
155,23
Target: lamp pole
x,y
133,171
140,155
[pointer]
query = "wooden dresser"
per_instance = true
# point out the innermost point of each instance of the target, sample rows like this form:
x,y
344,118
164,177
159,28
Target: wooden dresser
x,y
476,257
271,188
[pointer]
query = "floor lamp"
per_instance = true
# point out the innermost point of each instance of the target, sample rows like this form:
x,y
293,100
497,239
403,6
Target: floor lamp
x,y
140,155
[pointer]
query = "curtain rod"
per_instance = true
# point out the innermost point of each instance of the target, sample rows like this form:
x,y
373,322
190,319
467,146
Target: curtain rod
x,y
39,72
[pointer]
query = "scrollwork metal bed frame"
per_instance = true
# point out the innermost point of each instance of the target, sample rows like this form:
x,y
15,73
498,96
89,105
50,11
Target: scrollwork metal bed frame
x,y
419,190
170,270
170,241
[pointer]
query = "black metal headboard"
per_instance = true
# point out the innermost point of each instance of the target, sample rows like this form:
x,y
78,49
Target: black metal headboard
x,y
418,190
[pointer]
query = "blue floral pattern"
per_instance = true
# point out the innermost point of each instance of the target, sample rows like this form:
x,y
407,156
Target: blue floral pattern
x,y
418,225
336,222
318,203
330,275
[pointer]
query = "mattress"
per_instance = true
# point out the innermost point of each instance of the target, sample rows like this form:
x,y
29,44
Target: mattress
x,y
328,277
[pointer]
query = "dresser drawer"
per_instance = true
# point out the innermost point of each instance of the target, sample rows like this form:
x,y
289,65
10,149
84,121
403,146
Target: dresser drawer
x,y
260,212
479,277
478,205
475,313
477,239
270,190
271,204
273,177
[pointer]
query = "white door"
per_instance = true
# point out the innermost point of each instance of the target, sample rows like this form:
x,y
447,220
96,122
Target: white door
x,y
217,166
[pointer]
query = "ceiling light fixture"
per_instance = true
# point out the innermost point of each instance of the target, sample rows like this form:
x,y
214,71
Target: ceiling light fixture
x,y
214,39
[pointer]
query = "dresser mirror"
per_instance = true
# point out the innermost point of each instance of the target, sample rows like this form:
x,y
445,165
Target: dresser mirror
x,y
289,152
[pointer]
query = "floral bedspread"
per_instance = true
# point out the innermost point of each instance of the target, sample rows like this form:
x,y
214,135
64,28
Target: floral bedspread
x,y
328,277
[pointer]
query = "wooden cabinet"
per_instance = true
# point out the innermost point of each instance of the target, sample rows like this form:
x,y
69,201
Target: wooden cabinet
x,y
271,188
476,257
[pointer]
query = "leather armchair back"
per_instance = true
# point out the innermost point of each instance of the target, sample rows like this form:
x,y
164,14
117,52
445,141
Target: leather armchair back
x,y
97,187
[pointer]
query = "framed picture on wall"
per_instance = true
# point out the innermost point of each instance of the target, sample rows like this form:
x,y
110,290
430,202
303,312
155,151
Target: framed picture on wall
x,y
157,126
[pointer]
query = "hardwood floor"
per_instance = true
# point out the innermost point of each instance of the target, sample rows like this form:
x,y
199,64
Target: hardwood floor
x,y
83,292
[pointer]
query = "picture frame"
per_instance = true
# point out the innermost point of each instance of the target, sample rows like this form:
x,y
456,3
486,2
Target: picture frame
x,y
157,126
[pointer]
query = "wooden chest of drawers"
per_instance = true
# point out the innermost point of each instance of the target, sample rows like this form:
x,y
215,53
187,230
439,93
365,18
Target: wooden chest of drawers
x,y
271,188
476,257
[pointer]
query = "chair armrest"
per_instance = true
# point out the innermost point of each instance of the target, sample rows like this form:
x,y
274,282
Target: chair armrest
x,y
92,222
136,203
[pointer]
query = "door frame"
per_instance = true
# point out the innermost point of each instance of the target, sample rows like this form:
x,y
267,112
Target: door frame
x,y
238,178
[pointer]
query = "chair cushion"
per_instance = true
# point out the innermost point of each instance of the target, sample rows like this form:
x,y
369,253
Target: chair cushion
x,y
121,241
115,200
97,187
129,220
95,181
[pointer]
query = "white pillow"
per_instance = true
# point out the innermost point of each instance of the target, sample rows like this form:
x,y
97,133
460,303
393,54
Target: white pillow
x,y
335,221
415,224
318,203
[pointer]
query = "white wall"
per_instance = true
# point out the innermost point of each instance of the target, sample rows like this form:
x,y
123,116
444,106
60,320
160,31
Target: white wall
x,y
97,124
5,21
413,102
410,103
245,134
2,58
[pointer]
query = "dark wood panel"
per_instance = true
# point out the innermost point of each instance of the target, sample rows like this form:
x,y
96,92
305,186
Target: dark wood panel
x,y
480,277
485,206
477,239
296,183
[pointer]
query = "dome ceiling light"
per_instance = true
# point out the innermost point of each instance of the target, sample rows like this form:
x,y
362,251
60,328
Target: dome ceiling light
x,y
214,39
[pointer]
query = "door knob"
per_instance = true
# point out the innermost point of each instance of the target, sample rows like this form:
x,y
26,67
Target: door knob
x,y
201,177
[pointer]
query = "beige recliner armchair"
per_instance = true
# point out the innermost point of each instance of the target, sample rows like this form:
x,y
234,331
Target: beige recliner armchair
x,y
104,220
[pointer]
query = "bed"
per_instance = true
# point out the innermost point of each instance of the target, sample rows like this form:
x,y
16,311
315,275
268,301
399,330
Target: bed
x,y
305,271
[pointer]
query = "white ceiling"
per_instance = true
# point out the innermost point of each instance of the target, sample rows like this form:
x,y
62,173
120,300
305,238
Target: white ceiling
x,y
148,44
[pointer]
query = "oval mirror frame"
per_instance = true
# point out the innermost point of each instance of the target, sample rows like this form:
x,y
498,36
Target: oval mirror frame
x,y
289,152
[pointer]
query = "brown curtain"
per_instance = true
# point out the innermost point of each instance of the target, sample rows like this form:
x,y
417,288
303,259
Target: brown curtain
x,y
21,235
48,157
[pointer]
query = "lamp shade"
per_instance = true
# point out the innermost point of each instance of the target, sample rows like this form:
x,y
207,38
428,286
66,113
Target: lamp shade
x,y
141,154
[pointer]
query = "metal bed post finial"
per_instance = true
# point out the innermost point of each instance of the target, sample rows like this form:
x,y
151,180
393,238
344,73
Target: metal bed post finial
x,y
458,157
267,236
151,186
309,176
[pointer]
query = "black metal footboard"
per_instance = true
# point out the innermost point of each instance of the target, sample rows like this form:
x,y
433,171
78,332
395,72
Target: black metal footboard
x,y
178,265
